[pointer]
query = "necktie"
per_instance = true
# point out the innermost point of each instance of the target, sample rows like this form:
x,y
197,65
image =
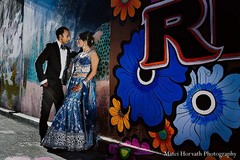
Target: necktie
x,y
63,47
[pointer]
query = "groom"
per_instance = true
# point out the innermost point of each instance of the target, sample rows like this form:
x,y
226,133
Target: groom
x,y
57,58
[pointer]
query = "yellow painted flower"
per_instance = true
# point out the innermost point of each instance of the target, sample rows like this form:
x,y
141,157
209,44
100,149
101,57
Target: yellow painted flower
x,y
124,7
118,118
162,139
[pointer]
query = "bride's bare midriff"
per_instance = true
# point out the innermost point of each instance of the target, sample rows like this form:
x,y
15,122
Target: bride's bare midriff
x,y
79,75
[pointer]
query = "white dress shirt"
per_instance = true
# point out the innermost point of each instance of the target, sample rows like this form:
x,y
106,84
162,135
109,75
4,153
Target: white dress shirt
x,y
63,57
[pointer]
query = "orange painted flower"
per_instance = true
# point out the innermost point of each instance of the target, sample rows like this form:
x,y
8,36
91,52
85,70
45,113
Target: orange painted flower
x,y
162,139
118,118
124,7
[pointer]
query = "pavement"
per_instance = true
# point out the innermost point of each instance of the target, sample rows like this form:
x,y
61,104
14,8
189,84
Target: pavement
x,y
19,140
29,129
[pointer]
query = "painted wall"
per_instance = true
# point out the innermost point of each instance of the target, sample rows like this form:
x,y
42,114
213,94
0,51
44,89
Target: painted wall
x,y
168,77
27,26
175,77
11,25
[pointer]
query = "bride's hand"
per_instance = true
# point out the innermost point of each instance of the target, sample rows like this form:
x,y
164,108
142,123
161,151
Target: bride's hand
x,y
77,88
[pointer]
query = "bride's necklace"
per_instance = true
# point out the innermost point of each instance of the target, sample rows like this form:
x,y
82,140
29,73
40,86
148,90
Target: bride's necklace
x,y
84,53
87,51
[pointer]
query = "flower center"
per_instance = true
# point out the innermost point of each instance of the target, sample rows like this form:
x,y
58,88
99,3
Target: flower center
x,y
120,113
124,1
163,134
125,152
203,102
145,77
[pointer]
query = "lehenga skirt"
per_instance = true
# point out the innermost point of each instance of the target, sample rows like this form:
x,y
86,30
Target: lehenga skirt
x,y
72,126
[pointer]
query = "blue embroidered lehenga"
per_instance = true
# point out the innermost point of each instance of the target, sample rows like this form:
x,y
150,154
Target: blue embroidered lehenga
x,y
74,124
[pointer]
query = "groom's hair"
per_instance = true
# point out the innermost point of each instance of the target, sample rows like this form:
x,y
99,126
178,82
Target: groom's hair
x,y
60,31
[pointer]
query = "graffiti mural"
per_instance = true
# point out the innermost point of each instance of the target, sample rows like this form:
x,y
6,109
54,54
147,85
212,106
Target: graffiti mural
x,y
176,78
168,77
10,53
27,26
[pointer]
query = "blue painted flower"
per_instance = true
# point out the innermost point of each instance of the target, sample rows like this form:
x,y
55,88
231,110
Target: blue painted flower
x,y
211,106
150,93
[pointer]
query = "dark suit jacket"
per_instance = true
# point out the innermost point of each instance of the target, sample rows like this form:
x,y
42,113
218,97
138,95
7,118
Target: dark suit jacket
x,y
51,55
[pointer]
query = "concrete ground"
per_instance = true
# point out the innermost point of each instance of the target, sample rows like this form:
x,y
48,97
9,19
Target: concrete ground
x,y
19,140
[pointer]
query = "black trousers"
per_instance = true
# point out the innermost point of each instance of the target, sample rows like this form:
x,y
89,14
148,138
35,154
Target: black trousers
x,y
53,94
